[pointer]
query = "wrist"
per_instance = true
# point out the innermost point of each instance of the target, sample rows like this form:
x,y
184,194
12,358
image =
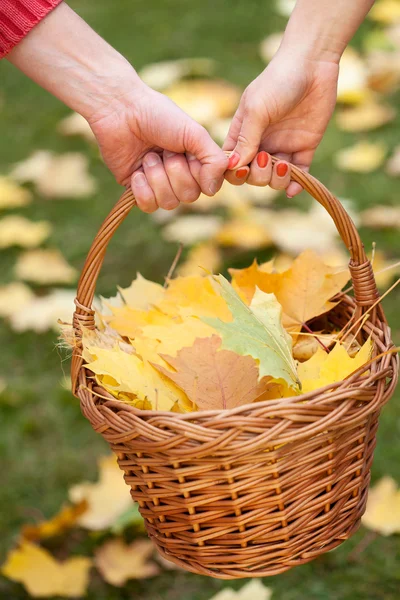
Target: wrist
x,y
298,45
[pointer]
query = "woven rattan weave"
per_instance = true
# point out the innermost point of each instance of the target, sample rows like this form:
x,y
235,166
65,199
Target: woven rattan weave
x,y
258,489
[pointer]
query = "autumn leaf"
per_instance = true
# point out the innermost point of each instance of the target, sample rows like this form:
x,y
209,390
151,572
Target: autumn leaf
x,y
383,507
12,195
45,267
194,296
107,499
43,576
190,229
18,231
363,157
243,233
353,78
304,290
142,294
213,378
119,371
382,217
41,313
75,124
365,117
14,297
256,330
385,11
254,590
323,369
201,259
163,74
61,522
118,562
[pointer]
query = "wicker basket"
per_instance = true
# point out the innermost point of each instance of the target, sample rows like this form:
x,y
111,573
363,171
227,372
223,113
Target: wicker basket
x,y
258,489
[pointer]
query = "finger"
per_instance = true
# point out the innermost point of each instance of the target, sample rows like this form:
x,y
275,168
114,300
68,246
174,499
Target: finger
x,y
249,138
280,175
194,166
237,177
303,161
183,184
260,170
159,182
234,130
213,160
143,193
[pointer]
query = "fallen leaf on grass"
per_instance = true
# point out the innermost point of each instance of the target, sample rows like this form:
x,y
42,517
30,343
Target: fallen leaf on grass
x,y
270,46
353,74
381,217
14,297
43,576
18,231
75,124
33,168
254,590
12,195
201,259
383,71
365,117
385,11
383,507
118,562
191,229
393,164
42,313
363,157
213,378
256,330
61,522
285,7
244,233
205,100
44,267
163,74
323,369
384,270
107,499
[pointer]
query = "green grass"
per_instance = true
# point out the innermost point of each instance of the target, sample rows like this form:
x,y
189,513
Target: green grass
x,y
45,444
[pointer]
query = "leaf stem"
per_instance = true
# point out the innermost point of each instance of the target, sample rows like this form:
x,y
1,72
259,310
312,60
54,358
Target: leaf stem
x,y
307,328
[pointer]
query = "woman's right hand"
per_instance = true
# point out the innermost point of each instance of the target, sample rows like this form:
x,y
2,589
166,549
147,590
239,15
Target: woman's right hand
x,y
147,141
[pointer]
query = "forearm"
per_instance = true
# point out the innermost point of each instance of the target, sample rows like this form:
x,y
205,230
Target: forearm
x,y
66,57
322,28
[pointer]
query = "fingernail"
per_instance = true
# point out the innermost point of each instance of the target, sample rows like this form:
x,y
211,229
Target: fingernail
x,y
168,153
190,156
240,173
233,160
282,169
213,187
152,159
140,179
262,159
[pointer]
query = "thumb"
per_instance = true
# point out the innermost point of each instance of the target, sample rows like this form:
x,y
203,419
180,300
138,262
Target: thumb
x,y
214,162
248,140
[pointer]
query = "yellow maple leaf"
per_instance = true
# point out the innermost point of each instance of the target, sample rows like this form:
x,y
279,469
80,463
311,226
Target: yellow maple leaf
x,y
62,521
119,371
385,11
118,562
43,576
253,590
201,258
129,321
172,338
142,294
383,507
197,294
107,499
363,157
19,231
322,368
12,195
44,266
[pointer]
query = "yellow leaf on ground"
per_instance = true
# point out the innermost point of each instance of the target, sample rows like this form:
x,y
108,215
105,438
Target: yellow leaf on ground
x,y
14,297
12,195
383,507
118,562
352,84
32,168
213,378
363,157
107,499
43,576
142,294
42,313
204,99
75,124
385,271
254,590
61,522
191,229
383,71
242,233
385,11
18,231
323,369
393,164
381,217
365,117
201,259
163,74
44,267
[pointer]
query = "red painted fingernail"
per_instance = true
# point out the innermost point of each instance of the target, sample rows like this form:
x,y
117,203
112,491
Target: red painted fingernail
x,y
240,173
282,169
233,160
262,159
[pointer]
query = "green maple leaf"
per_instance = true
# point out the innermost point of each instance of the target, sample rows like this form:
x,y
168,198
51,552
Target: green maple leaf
x,y
257,330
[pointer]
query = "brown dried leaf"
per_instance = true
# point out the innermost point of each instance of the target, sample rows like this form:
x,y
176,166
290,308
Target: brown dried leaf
x,y
119,562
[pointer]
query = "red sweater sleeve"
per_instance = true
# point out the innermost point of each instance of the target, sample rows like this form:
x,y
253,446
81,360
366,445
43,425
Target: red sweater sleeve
x,y
18,17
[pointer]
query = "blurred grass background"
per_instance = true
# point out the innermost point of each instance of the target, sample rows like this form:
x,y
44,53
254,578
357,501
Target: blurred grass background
x,y
45,444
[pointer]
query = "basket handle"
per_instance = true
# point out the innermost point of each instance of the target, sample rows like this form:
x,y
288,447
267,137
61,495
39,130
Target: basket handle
x,y
365,290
